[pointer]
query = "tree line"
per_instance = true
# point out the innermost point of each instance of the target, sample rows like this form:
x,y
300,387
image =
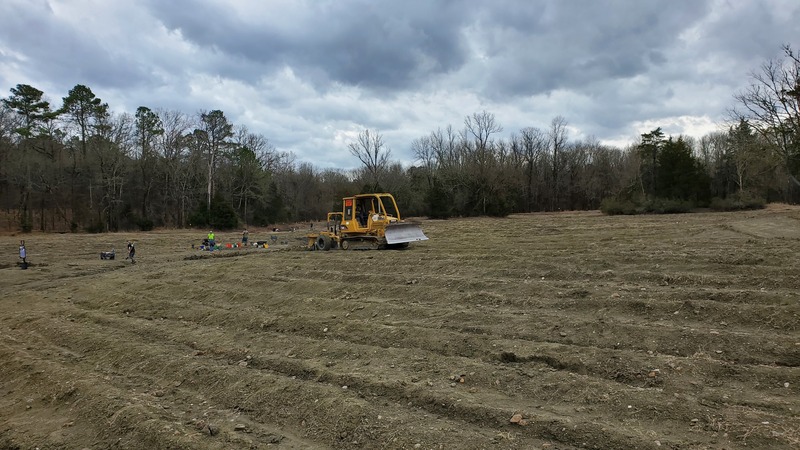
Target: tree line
x,y
82,167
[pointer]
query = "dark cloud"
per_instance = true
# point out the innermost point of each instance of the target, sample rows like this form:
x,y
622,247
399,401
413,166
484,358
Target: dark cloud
x,y
569,45
310,74
389,45
748,30
529,47
66,55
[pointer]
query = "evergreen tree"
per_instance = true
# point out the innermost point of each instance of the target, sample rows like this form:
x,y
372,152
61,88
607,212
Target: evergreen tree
x,y
680,176
649,149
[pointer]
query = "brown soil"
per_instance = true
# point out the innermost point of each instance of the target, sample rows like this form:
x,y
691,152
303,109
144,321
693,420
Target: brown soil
x,y
675,331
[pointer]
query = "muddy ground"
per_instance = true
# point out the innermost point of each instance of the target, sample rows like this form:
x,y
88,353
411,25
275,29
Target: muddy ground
x,y
675,331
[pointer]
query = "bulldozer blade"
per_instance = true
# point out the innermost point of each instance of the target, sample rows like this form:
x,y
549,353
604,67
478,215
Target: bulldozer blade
x,y
400,233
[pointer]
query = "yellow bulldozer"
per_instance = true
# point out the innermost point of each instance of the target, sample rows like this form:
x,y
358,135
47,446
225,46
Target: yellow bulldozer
x,y
366,221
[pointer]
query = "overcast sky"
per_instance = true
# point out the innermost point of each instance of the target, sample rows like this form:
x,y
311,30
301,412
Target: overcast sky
x,y
311,74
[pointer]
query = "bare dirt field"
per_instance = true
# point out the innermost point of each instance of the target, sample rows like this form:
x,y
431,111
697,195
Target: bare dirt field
x,y
551,331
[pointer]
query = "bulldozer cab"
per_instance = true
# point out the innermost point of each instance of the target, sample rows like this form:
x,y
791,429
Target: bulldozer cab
x,y
361,212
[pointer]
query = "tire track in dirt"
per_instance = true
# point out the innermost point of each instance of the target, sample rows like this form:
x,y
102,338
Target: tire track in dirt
x,y
517,326
216,367
678,337
139,334
550,360
548,424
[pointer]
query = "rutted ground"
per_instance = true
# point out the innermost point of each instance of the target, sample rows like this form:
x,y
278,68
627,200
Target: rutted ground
x,y
678,331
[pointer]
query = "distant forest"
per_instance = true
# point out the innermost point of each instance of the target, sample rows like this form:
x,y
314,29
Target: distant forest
x,y
80,167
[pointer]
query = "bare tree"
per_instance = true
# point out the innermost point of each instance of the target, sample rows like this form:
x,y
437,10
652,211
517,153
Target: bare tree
x,y
532,146
370,149
424,152
109,152
485,173
448,151
558,140
480,126
771,105
752,165
172,145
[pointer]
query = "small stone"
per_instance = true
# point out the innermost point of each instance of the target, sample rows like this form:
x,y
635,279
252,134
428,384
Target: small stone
x,y
516,418
239,427
718,351
562,334
695,420
615,295
344,387
325,330
786,385
417,445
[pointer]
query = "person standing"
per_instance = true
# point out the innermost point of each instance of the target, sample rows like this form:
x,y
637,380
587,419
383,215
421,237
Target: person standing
x,y
211,241
23,254
245,236
131,252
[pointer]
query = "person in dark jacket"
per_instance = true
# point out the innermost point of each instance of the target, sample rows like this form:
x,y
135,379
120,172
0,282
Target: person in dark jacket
x,y
131,252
